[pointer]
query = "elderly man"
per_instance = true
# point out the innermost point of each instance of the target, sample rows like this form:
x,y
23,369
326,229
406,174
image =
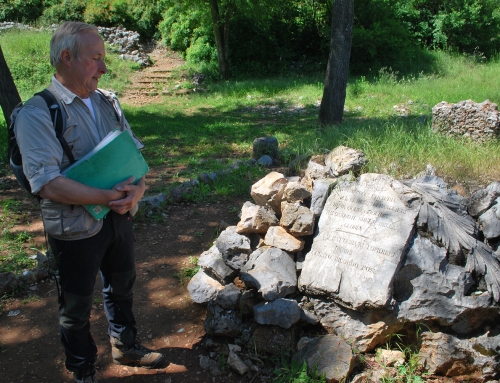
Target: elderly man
x,y
82,245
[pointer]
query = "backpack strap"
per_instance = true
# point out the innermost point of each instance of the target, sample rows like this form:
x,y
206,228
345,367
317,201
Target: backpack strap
x,y
57,121
109,103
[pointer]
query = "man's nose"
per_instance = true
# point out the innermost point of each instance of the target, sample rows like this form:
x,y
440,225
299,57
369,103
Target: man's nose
x,y
102,68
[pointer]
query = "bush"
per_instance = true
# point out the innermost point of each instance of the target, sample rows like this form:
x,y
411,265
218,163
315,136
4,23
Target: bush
x,y
67,10
22,11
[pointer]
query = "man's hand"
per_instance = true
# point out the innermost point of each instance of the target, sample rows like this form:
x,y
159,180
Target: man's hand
x,y
133,192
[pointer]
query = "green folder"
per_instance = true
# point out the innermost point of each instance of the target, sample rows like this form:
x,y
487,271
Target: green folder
x,y
114,160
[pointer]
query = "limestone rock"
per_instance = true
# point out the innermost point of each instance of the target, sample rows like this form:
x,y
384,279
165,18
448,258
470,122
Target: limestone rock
x,y
228,297
366,330
314,171
278,237
234,248
431,289
269,190
444,354
483,199
271,272
330,355
213,265
235,362
321,191
280,312
490,221
362,237
220,321
203,288
297,220
295,192
342,160
265,146
256,219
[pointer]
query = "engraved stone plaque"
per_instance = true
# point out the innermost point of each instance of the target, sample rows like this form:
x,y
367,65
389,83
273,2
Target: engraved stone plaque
x,y
362,234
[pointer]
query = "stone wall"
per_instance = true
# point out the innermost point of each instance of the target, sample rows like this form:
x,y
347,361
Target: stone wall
x,y
467,119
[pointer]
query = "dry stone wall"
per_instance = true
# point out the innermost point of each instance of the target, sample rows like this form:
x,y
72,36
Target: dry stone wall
x,y
477,121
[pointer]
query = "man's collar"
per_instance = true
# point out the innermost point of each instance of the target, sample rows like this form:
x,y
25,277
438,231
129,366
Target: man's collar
x,y
64,93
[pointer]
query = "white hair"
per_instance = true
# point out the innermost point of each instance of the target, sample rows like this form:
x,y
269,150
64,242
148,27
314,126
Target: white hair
x,y
68,36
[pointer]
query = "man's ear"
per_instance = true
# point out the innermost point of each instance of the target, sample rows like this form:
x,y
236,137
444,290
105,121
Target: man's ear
x,y
66,58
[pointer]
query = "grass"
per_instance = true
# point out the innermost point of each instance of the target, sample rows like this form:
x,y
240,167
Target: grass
x,y
296,372
188,272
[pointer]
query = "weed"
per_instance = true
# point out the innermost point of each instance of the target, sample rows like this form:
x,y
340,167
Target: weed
x,y
188,272
30,298
297,372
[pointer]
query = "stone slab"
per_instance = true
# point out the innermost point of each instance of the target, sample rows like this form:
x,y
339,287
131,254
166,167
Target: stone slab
x,y
362,235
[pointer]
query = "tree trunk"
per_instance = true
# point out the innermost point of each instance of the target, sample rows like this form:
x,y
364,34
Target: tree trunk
x,y
9,96
337,71
221,30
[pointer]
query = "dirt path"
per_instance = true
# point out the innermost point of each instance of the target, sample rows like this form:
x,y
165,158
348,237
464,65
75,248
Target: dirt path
x,y
30,350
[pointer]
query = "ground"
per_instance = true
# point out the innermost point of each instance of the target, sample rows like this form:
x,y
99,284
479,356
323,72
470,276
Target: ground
x,y
167,319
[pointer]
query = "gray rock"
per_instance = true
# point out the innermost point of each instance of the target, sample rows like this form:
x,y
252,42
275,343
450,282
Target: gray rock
x,y
269,190
295,192
330,355
228,297
271,272
203,288
320,193
366,330
220,321
490,221
278,237
213,265
297,220
280,312
155,201
362,237
209,365
483,199
431,289
265,160
265,146
445,355
235,362
8,283
256,219
342,160
234,248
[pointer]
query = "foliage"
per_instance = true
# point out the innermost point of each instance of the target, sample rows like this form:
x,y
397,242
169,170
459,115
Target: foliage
x,y
66,10
24,11
296,372
468,26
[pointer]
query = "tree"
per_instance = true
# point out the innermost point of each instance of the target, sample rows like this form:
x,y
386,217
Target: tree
x,y
332,105
9,96
220,24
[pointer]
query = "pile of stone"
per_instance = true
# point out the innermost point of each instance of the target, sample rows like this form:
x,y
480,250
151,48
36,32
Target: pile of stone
x,y
477,121
361,260
127,43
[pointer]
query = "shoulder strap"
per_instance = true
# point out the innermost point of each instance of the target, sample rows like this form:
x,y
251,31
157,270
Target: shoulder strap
x,y
110,104
57,121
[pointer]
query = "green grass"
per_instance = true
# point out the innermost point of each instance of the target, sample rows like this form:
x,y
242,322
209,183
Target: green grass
x,y
296,372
